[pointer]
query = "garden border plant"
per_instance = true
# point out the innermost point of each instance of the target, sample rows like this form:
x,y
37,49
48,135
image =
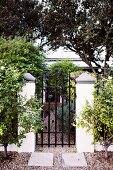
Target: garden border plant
x,y
17,56
98,117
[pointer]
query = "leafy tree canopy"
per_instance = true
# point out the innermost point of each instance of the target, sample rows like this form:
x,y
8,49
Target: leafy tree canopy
x,y
20,18
64,66
85,27
22,55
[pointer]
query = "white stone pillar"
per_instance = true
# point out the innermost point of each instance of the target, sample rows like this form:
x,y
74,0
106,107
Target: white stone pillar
x,y
84,90
28,144
28,91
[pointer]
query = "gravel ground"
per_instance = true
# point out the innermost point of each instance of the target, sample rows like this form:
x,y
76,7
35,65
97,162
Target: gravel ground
x,y
16,161
95,161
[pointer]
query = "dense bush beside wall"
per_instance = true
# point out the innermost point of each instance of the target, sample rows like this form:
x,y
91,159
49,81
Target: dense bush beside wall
x,y
17,57
98,117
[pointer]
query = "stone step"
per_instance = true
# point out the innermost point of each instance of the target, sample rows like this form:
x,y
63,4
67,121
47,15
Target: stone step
x,y
68,159
41,159
73,160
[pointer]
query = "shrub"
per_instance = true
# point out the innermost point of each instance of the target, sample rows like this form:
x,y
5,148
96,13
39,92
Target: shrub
x,y
23,55
66,118
62,69
59,74
17,57
98,118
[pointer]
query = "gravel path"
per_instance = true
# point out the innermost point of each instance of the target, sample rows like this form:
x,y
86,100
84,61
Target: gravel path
x,y
95,161
52,128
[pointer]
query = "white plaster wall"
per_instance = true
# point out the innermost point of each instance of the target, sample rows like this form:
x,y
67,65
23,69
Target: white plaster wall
x,y
28,90
83,139
84,92
11,147
99,147
28,144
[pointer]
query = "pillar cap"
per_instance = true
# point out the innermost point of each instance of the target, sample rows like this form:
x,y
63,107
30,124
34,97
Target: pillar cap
x,y
85,78
29,77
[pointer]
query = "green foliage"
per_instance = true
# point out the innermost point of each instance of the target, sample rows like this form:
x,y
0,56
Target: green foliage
x,y
60,73
84,27
71,91
30,117
99,117
22,55
20,18
65,66
66,117
10,105
17,57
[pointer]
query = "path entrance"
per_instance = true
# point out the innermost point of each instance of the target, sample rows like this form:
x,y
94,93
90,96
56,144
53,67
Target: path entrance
x,y
57,159
58,100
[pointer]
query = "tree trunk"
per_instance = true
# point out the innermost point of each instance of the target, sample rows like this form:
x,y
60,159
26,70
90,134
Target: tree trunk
x,y
106,66
5,150
106,70
106,151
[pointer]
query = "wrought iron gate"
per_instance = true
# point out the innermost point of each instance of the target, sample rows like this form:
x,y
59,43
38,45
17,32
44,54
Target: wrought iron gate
x,y
59,104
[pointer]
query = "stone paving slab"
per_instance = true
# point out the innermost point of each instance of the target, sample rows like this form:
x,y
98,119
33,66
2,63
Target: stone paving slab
x,y
41,159
73,160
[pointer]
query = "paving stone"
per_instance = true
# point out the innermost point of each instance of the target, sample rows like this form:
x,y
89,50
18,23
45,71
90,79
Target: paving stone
x,y
41,159
74,160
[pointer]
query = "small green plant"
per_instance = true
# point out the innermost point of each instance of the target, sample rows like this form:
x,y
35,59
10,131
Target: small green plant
x,y
98,118
68,118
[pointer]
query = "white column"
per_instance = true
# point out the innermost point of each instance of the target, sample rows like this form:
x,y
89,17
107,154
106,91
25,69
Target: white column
x,y
28,144
84,90
28,91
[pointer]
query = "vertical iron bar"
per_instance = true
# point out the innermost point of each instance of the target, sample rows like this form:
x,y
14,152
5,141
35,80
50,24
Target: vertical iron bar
x,y
55,112
62,111
49,124
36,140
42,80
75,113
69,112
49,113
